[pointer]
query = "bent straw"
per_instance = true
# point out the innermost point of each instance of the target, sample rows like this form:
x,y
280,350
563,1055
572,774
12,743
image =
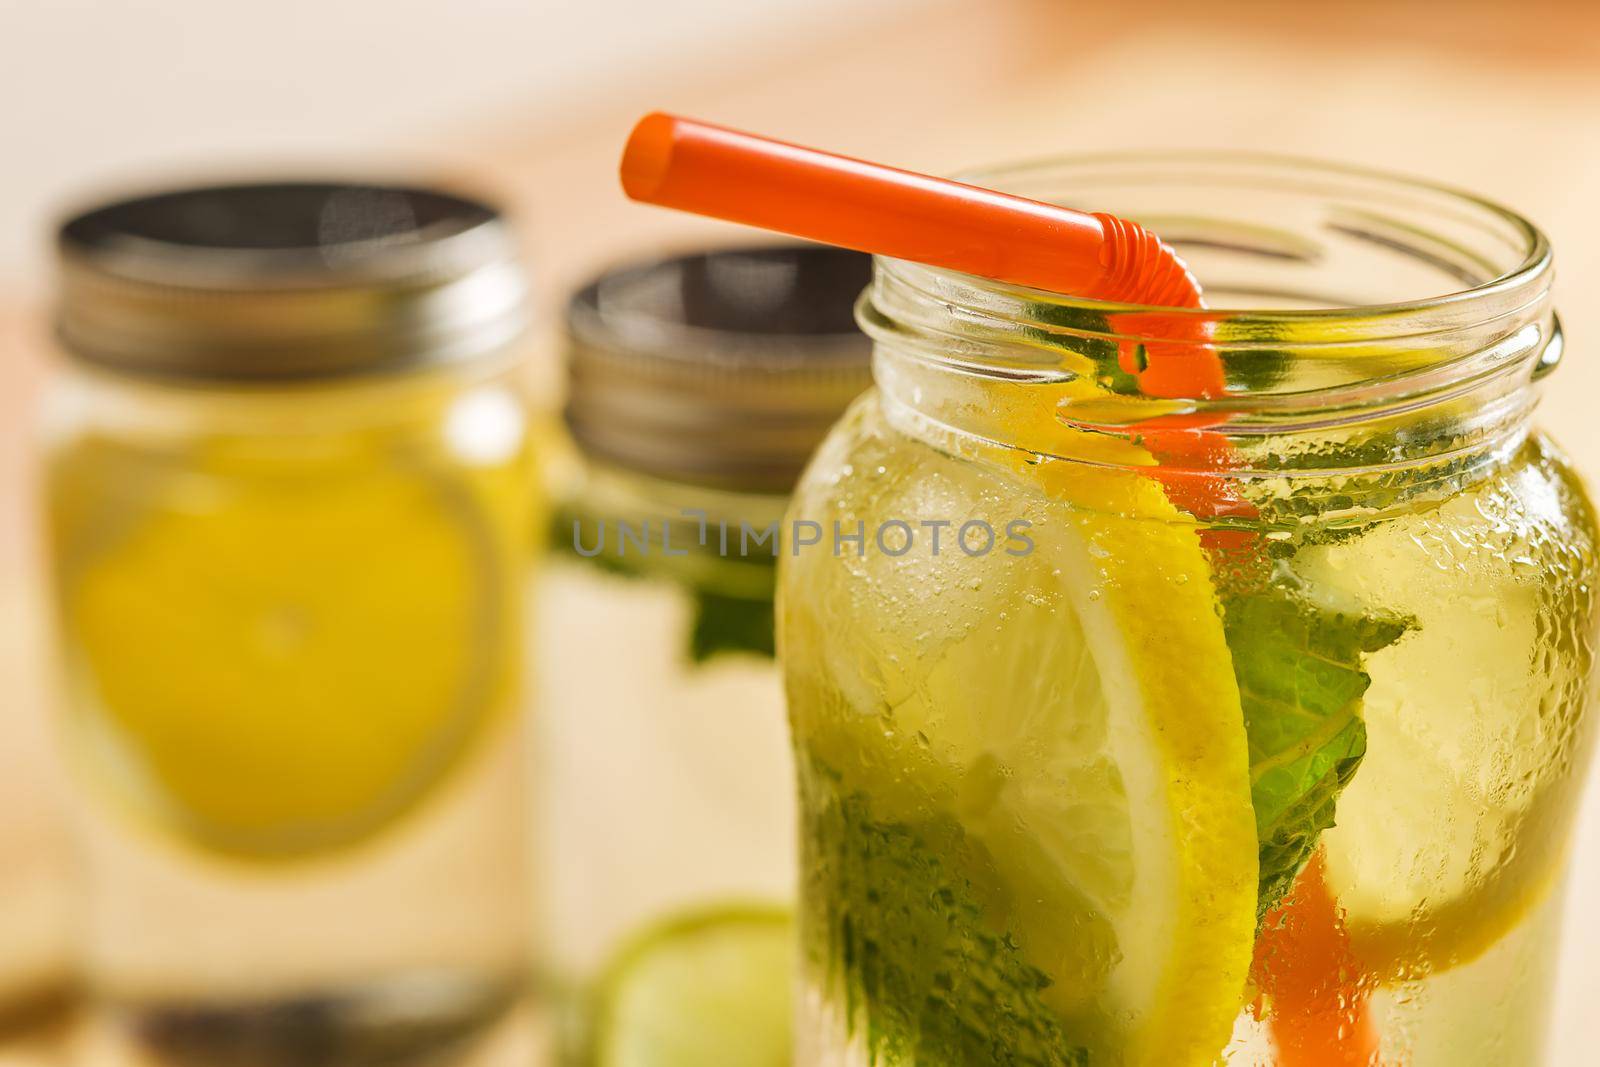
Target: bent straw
x,y
742,177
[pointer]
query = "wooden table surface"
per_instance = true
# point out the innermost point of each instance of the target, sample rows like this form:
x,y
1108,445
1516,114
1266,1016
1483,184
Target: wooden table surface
x,y
1503,99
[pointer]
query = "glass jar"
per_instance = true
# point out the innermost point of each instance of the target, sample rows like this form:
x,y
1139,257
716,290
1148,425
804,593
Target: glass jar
x,y
1243,727
289,491
698,387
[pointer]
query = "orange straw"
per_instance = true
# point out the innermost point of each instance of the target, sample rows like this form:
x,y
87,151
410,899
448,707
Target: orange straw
x,y
1319,1012
741,177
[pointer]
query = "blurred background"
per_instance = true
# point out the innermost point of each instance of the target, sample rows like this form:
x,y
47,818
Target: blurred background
x,y
530,101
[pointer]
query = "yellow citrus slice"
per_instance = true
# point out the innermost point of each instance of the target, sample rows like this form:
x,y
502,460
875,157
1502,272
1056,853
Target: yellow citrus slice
x,y
702,988
1072,708
1454,828
277,655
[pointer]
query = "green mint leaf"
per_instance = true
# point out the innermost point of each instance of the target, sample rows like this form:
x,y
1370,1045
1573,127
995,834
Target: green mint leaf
x,y
1301,682
893,916
730,624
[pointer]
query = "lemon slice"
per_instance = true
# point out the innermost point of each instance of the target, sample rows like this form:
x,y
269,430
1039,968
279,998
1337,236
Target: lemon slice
x,y
1454,828
277,655
707,988
1071,710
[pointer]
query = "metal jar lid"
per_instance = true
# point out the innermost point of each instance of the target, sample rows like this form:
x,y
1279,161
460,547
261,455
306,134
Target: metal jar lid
x,y
287,280
722,369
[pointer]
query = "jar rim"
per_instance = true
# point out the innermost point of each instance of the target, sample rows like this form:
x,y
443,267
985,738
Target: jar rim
x,y
1284,228
1528,275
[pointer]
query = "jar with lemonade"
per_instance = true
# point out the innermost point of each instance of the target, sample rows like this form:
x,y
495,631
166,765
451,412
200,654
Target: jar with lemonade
x,y
698,386
289,489
1263,745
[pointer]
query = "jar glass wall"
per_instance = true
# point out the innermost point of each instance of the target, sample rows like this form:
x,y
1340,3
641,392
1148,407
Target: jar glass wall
x,y
1243,727
698,387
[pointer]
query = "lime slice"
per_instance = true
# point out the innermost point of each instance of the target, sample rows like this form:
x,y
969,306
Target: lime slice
x,y
276,655
1455,827
1072,713
708,988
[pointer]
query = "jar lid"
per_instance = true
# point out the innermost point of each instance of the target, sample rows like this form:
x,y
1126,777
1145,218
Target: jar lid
x,y
722,369
287,280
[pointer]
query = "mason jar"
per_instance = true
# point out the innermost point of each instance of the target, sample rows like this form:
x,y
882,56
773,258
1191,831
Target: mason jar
x,y
698,387
1238,724
289,491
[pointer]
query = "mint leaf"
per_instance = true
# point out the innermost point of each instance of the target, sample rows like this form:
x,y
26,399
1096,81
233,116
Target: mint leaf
x,y
893,917
730,624
1301,682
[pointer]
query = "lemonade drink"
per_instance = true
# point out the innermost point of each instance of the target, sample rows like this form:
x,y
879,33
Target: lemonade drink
x,y
1261,743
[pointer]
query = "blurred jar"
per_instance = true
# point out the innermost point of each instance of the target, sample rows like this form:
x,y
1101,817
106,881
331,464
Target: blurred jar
x,y
289,486
698,389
